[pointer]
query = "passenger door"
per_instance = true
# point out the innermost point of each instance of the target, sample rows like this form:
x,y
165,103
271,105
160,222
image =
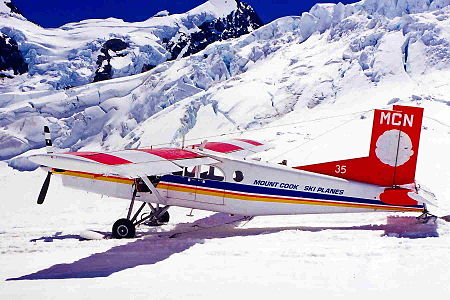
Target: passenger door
x,y
181,185
209,186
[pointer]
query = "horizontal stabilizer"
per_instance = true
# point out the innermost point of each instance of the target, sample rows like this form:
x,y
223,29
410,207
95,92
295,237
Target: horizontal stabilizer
x,y
397,196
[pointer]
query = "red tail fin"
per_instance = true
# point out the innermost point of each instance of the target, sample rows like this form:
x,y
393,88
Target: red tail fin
x,y
393,150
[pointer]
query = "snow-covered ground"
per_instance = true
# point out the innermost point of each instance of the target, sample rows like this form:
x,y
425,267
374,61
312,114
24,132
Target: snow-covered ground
x,y
346,256
305,84
322,256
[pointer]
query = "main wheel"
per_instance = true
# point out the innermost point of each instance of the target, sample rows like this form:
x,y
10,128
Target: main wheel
x,y
123,229
164,218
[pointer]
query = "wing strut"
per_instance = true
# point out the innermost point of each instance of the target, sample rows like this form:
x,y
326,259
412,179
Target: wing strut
x,y
152,188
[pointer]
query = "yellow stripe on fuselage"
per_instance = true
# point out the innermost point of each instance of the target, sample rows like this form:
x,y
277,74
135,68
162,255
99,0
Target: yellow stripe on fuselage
x,y
95,177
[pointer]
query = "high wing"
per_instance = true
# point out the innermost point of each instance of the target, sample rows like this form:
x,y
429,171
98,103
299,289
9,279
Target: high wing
x,y
134,163
238,148
131,163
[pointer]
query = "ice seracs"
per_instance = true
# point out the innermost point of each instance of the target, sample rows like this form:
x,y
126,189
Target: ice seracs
x,y
57,60
333,57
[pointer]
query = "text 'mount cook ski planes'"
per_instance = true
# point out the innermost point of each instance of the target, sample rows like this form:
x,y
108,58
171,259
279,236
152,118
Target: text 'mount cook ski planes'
x,y
215,176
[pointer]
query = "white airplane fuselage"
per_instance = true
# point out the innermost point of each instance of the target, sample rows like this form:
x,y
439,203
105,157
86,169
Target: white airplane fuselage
x,y
259,189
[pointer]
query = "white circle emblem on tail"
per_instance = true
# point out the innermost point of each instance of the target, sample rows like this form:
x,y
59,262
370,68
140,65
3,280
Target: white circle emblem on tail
x,y
387,143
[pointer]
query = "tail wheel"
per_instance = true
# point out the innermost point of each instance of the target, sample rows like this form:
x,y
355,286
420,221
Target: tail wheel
x,y
123,229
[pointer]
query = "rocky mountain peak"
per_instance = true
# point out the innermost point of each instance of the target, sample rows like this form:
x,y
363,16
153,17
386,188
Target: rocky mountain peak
x,y
7,6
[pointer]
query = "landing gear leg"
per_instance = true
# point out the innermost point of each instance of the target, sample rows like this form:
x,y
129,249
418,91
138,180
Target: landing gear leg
x,y
158,216
426,217
126,228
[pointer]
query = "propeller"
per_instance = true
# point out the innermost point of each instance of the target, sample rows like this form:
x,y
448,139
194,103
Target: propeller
x,y
48,146
44,189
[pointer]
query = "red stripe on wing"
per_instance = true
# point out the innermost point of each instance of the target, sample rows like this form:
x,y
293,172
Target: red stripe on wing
x,y
102,158
171,153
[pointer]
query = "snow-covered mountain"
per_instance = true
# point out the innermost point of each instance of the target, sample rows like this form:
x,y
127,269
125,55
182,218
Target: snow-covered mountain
x,y
365,55
95,50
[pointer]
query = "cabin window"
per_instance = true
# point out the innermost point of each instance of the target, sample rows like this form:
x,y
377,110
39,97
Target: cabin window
x,y
178,173
203,171
211,173
238,176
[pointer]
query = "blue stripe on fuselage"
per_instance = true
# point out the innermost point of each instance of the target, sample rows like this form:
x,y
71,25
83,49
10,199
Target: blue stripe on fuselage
x,y
254,189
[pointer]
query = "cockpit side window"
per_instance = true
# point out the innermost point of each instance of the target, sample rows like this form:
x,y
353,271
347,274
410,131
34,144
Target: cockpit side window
x,y
186,172
190,171
211,173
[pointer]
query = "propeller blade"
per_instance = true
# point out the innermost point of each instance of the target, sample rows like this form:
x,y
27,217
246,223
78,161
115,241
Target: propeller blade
x,y
44,189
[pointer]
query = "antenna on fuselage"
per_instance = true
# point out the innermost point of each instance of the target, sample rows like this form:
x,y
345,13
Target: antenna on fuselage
x,y
202,146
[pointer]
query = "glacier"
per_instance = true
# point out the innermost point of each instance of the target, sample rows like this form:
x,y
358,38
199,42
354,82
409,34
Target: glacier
x,y
362,54
93,50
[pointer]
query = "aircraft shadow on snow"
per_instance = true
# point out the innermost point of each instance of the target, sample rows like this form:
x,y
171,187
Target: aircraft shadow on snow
x,y
158,246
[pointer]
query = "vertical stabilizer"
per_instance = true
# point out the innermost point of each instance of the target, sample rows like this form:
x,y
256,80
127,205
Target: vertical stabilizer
x,y
393,151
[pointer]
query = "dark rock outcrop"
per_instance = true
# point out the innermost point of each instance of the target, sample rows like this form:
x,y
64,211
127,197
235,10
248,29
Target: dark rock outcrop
x,y
10,57
241,21
147,67
12,7
111,48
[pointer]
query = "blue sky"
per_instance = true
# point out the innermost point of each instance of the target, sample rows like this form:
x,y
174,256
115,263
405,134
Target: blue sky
x,y
54,13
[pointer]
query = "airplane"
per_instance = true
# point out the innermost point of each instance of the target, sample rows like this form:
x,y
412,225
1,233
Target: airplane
x,y
219,177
